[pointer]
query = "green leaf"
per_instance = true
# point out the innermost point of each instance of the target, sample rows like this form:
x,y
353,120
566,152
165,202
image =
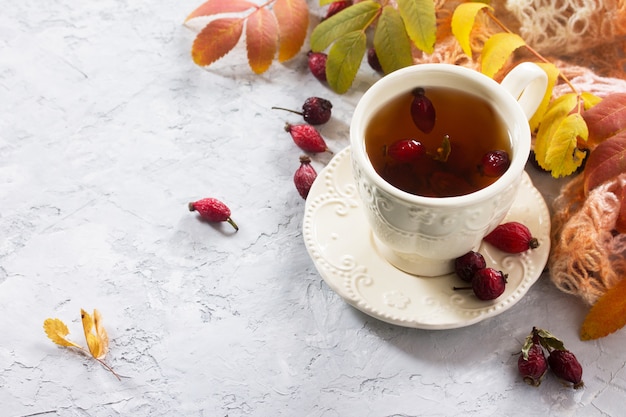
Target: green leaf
x,y
549,341
462,23
391,41
563,156
421,22
497,50
354,18
344,60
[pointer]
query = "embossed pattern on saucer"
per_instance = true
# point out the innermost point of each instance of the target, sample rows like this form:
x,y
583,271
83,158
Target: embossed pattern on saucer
x,y
340,242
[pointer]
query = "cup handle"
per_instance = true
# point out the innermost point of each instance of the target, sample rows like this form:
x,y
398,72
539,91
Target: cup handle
x,y
527,82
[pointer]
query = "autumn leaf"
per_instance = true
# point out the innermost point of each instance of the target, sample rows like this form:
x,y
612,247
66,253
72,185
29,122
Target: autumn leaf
x,y
391,41
216,40
98,342
607,118
563,156
497,50
607,315
344,60
557,111
213,7
261,40
56,331
421,22
354,18
292,17
462,23
605,162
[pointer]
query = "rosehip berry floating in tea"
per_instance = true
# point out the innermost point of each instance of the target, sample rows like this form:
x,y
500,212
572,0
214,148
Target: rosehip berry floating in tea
x,y
565,366
306,137
494,163
315,110
406,150
512,237
488,283
213,210
467,265
304,177
532,364
317,64
422,111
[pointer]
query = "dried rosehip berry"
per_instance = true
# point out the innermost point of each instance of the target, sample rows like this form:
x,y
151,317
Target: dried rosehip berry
x,y
422,111
317,64
488,283
315,110
532,365
212,210
467,265
337,6
373,61
306,137
566,367
512,237
494,163
304,177
406,150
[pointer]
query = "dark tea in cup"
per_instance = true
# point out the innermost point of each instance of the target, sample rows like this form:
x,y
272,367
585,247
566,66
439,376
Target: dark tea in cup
x,y
438,142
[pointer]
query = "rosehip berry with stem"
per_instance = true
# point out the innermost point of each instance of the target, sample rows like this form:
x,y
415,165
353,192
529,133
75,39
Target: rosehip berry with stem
x,y
306,137
304,177
317,64
213,210
512,237
406,150
467,265
532,363
337,6
488,283
315,110
494,163
565,366
422,111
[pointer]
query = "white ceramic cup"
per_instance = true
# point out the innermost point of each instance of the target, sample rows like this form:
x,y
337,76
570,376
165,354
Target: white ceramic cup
x,y
423,235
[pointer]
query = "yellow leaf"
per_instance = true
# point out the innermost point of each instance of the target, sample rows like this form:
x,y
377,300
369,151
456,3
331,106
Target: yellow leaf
x,y
293,23
344,59
497,50
261,39
462,23
563,156
216,40
421,22
557,111
56,331
391,41
607,315
97,342
553,74
590,100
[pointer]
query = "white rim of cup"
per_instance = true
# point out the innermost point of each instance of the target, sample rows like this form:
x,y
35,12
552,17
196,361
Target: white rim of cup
x,y
405,80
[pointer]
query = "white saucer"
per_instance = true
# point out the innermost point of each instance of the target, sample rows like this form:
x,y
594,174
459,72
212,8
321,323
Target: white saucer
x,y
341,245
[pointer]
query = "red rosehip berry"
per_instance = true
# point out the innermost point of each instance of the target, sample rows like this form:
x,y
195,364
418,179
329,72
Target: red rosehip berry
x,y
494,163
317,64
315,110
212,210
467,265
488,283
306,137
532,365
373,61
337,6
512,237
565,366
406,150
422,111
304,177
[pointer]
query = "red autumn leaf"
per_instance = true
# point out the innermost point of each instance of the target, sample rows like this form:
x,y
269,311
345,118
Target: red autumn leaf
x,y
261,39
293,24
212,7
216,40
607,315
606,161
606,118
